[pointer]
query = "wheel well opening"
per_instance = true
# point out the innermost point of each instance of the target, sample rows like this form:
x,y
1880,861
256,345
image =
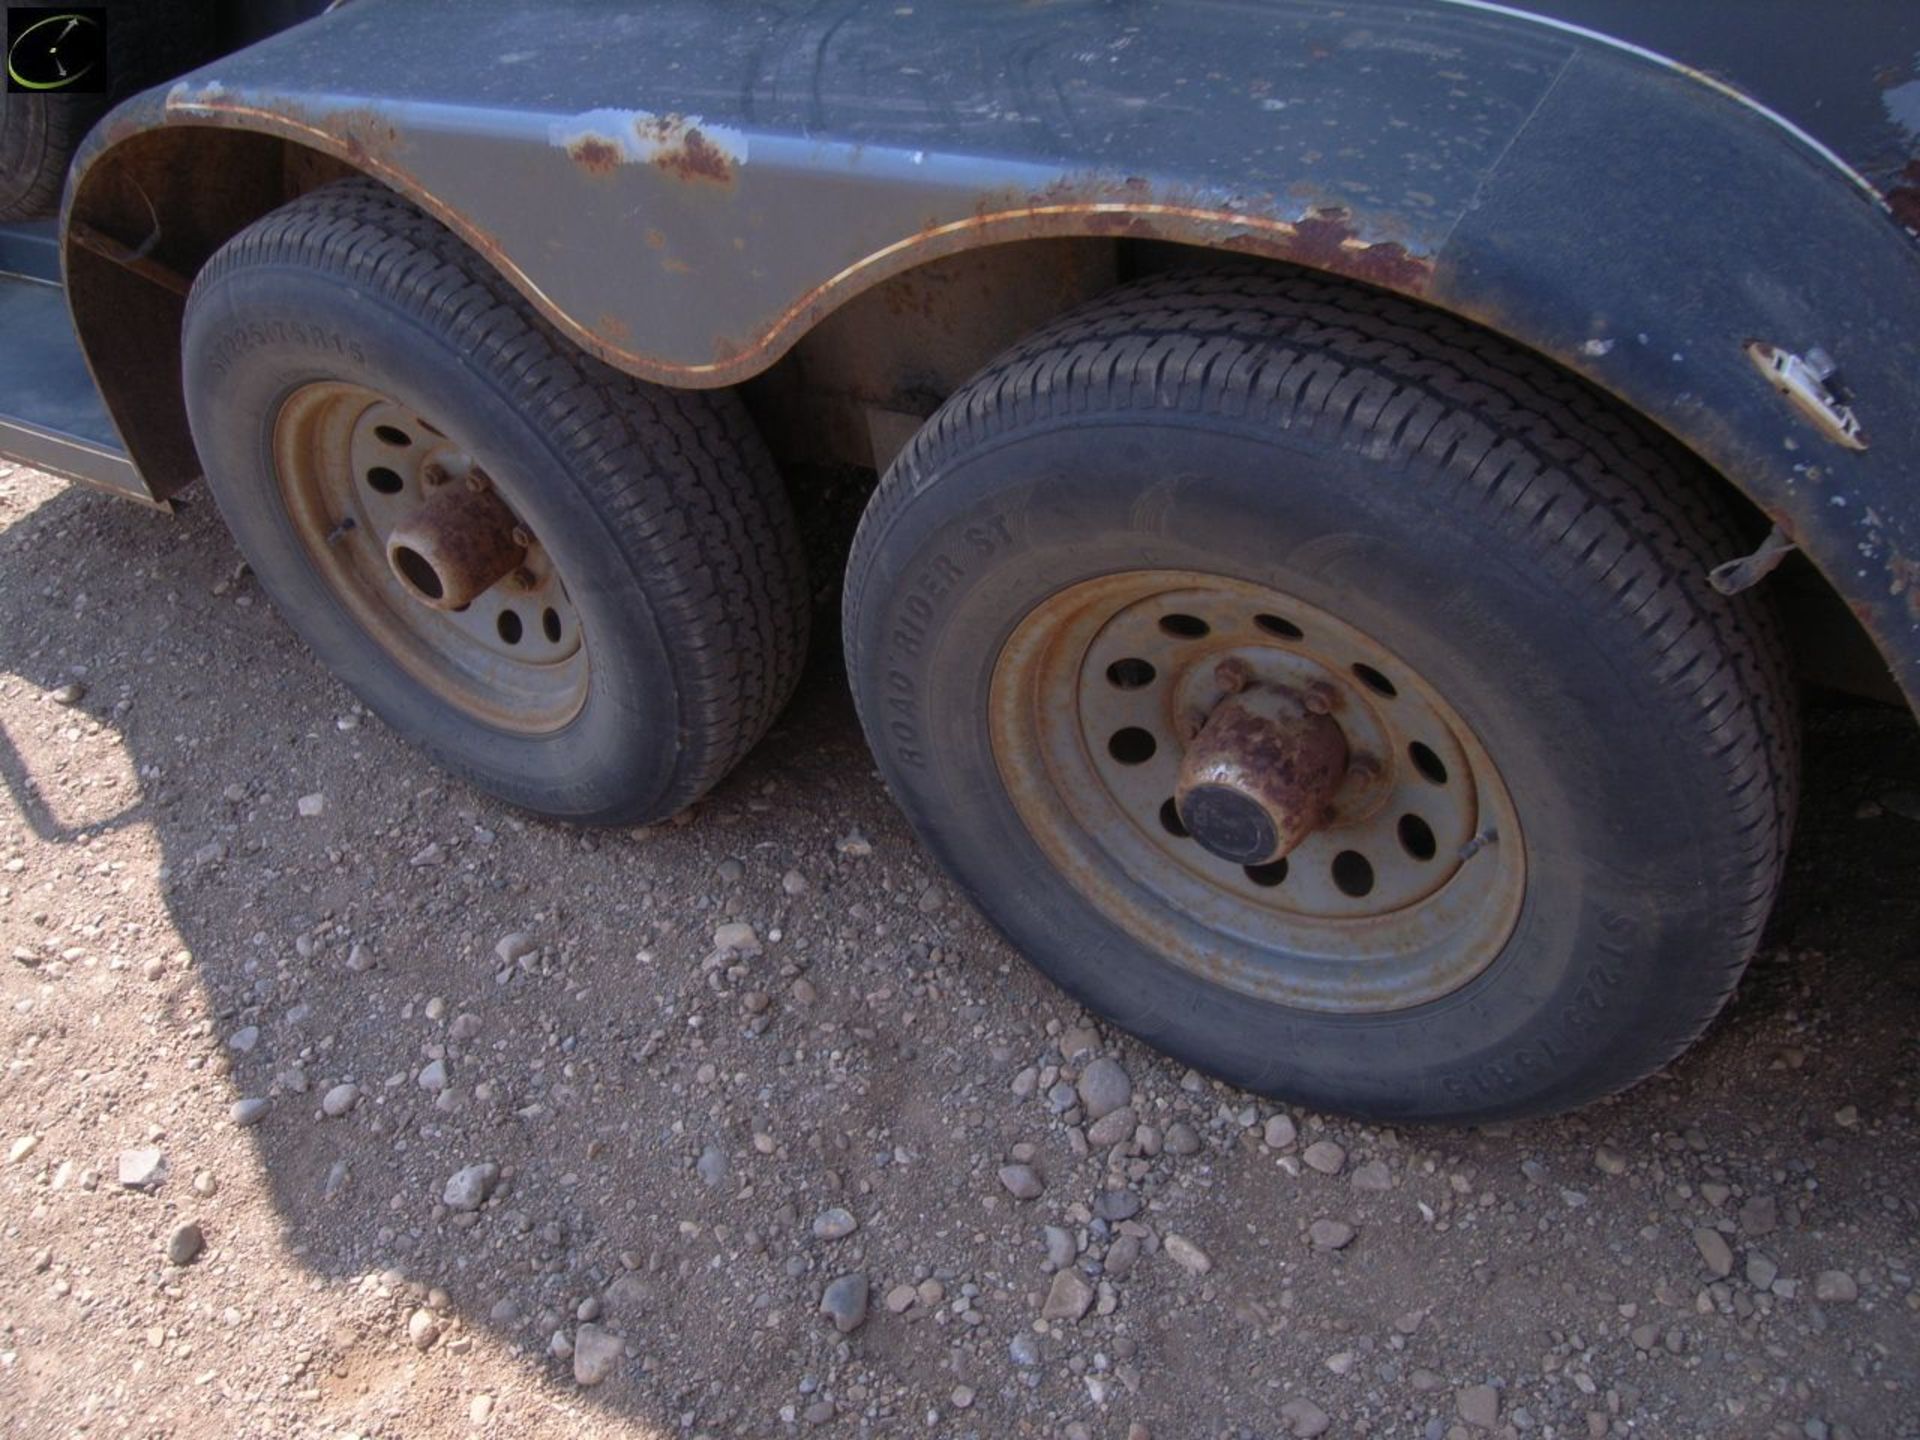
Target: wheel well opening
x,y
146,216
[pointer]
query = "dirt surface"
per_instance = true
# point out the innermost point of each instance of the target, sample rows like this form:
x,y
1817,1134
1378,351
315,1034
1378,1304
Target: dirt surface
x,y
227,895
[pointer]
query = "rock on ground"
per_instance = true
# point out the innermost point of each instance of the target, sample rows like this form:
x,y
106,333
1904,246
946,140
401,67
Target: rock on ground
x,y
468,1188
185,1244
596,1353
1714,1250
845,1303
1104,1088
142,1169
1187,1255
1479,1405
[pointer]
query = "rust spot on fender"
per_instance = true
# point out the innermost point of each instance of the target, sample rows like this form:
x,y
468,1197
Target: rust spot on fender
x,y
683,146
677,145
612,329
1322,236
595,154
1326,240
369,135
1906,580
1903,198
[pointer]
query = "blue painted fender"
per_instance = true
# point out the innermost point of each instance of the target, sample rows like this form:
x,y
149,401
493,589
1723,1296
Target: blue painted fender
x,y
685,188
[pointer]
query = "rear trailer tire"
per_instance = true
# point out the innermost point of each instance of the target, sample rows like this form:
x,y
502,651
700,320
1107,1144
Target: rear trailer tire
x,y
578,591
1558,773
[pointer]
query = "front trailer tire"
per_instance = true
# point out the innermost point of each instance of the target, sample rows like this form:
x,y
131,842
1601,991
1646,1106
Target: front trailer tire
x,y
679,577
1462,514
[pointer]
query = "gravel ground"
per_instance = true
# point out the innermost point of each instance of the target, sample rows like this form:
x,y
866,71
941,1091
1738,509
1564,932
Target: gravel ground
x,y
342,1101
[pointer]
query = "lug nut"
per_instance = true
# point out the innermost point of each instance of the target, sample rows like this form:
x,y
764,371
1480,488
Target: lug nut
x,y
1233,674
1319,698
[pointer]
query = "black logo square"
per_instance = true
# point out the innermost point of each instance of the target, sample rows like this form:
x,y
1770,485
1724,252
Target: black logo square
x,y
57,50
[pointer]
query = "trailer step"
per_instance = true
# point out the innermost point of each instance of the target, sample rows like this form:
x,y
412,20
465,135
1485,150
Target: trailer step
x,y
51,415
31,250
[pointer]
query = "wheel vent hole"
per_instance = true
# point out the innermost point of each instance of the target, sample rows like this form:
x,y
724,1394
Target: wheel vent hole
x,y
418,572
1132,746
385,481
1353,873
1430,765
1374,680
1131,674
1270,874
510,627
550,626
1275,625
1184,627
392,435
1416,837
1170,820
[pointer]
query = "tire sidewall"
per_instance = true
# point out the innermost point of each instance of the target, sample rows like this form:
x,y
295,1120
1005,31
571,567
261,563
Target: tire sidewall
x,y
1551,685
256,334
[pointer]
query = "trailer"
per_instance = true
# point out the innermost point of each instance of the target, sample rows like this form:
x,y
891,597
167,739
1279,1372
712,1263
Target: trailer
x,y
1360,486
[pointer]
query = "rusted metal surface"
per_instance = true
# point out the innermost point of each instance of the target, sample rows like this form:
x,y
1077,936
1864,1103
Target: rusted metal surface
x,y
684,150
786,162
594,154
457,544
1092,707
1906,581
1260,775
1903,197
128,258
683,146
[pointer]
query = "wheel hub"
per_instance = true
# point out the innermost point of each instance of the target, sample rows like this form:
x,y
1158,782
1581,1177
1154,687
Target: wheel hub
x,y
1257,789
1260,775
457,545
422,548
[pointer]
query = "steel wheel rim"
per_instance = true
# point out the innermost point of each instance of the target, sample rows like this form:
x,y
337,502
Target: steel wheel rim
x,y
1096,660
354,468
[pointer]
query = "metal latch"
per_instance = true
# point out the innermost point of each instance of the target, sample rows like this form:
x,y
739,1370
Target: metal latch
x,y
1809,382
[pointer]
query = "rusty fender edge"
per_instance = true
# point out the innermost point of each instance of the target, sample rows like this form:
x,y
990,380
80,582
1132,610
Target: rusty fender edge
x,y
694,242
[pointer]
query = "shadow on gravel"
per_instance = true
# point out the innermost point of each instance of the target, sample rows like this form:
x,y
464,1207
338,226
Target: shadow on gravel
x,y
668,1118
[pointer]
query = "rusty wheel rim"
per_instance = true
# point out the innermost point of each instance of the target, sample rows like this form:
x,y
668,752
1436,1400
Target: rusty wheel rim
x,y
1407,888
401,524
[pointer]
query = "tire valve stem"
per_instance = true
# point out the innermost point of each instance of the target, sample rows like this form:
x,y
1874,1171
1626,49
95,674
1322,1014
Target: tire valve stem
x,y
341,531
1478,843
